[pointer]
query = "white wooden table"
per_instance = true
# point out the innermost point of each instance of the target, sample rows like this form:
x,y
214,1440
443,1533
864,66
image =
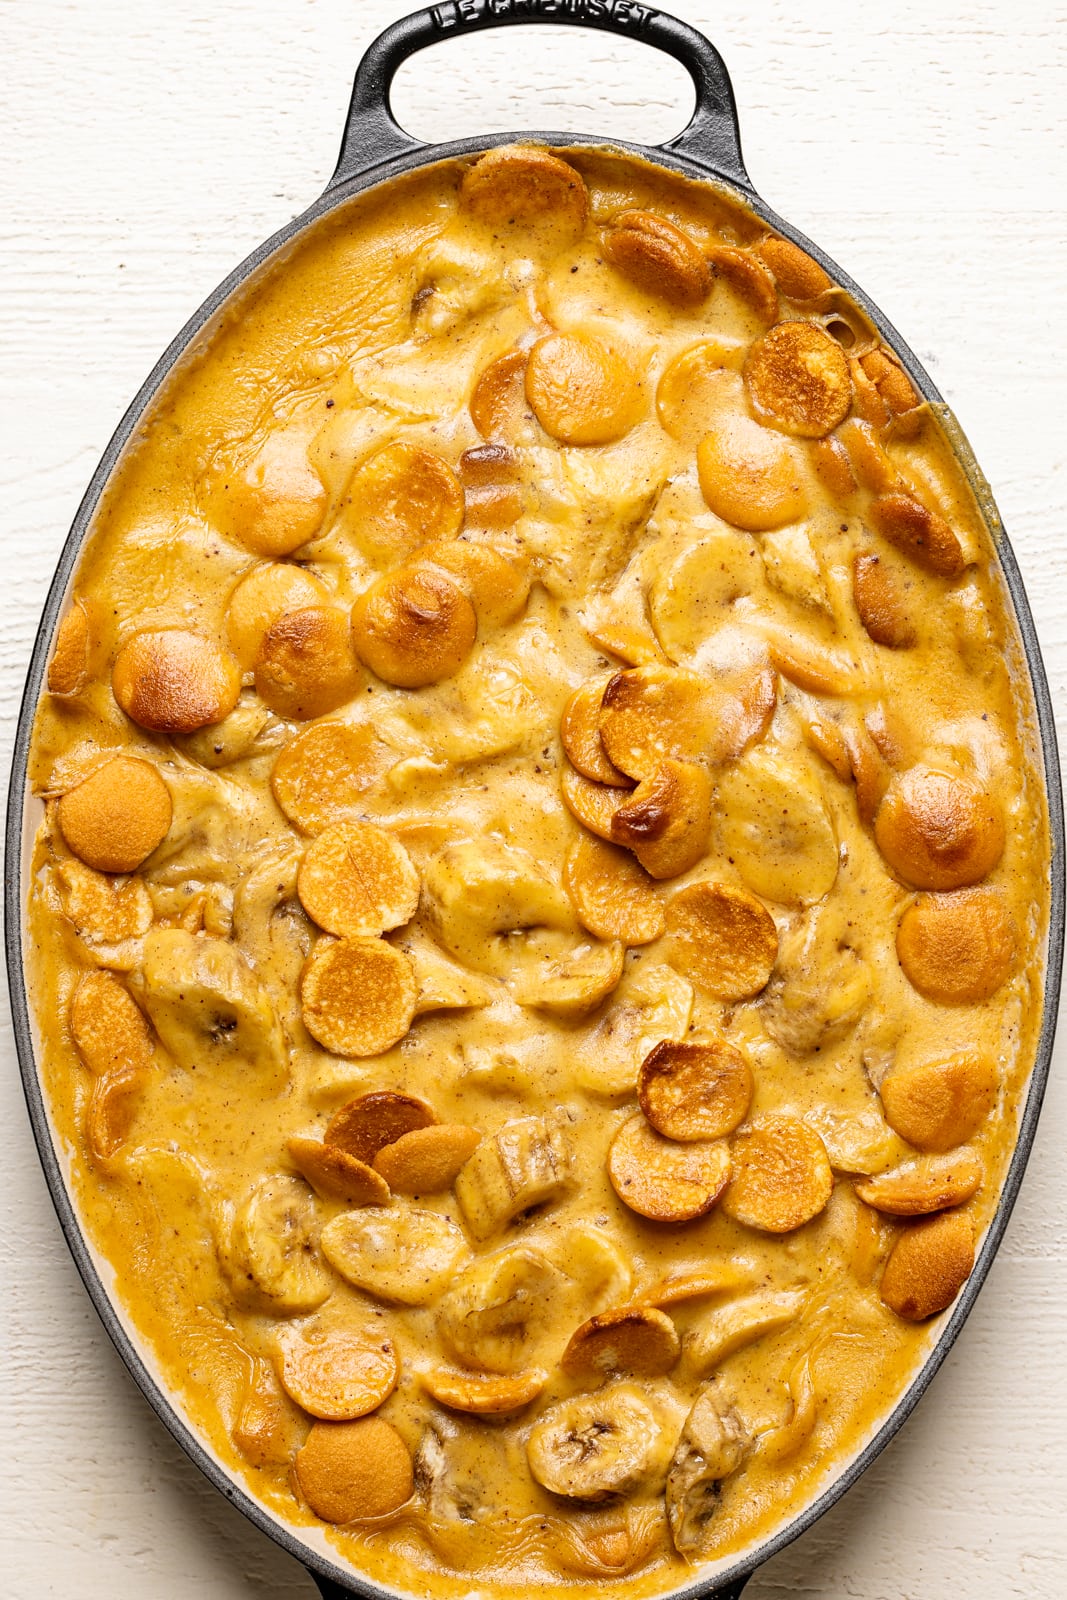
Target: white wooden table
x,y
148,147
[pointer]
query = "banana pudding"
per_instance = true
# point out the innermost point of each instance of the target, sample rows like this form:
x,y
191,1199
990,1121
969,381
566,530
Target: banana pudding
x,y
539,900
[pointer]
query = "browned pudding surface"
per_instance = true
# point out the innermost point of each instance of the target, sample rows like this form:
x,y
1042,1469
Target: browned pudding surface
x,y
538,913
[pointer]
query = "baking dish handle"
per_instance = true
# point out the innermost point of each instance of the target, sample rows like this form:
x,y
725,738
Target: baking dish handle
x,y
372,135
333,1591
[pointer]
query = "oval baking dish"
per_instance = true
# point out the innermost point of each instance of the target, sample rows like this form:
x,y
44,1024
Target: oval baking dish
x,y
375,151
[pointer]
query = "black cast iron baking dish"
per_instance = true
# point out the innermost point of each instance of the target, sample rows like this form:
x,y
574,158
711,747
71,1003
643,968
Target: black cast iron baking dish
x,y
375,149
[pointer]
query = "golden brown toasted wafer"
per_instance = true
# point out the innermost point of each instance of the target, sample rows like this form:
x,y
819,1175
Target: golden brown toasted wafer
x,y
781,1176
111,1110
799,277
340,1374
499,397
933,1183
870,462
174,681
368,1123
881,603
306,667
797,379
109,1027
893,384
689,1090
414,626
928,1266
496,580
117,816
750,476
400,497
260,598
957,948
640,1339
426,1160
938,831
581,391
681,1286
697,386
351,1471
335,1175
652,714
483,1394
591,804
658,257
613,895
666,821
521,186
579,732
664,1180
357,879
324,772
276,502
68,668
358,996
104,911
833,467
747,276
722,938
937,1105
920,533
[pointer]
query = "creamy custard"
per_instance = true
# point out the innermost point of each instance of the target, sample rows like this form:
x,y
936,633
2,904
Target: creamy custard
x,y
538,920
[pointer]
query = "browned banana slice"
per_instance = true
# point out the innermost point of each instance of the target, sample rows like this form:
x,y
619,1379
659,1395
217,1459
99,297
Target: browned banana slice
x,y
371,1121
104,911
658,257
277,502
634,645
483,1394
487,464
890,379
340,1375
652,714
398,498
922,534
427,1160
334,1175
679,1287
497,584
776,828
527,1162
499,398
928,1266
937,1105
581,392
751,477
68,670
938,831
413,627
519,186
691,1091
579,731
870,771
664,1180
826,739
260,598
693,391
591,804
933,1183
798,276
117,816
747,277
667,819
722,938
351,1471
358,996
324,772
492,480
881,603
614,896
357,879
306,666
738,1323
638,1339
173,681
111,1110
797,380
957,948
781,1176
108,1026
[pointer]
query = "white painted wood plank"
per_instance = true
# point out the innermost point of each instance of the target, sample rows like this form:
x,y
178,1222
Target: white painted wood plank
x,y
920,142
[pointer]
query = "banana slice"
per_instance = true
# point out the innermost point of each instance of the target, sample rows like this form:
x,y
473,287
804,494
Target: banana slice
x,y
931,1184
613,895
599,1272
714,1443
443,985
776,828
356,880
600,1445
478,890
781,1176
723,938
481,1395
820,987
268,1427
338,1374
740,1323
928,1266
640,1339
368,1123
269,1252
937,1105
337,1176
651,1003
665,1181
402,1256
498,1314
573,984
692,1091
526,1163
693,595
207,1004
678,1287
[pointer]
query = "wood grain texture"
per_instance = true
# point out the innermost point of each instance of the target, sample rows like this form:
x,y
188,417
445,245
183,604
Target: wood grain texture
x,y
921,142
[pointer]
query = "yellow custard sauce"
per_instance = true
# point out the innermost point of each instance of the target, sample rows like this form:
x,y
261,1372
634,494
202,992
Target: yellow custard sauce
x,y
539,911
